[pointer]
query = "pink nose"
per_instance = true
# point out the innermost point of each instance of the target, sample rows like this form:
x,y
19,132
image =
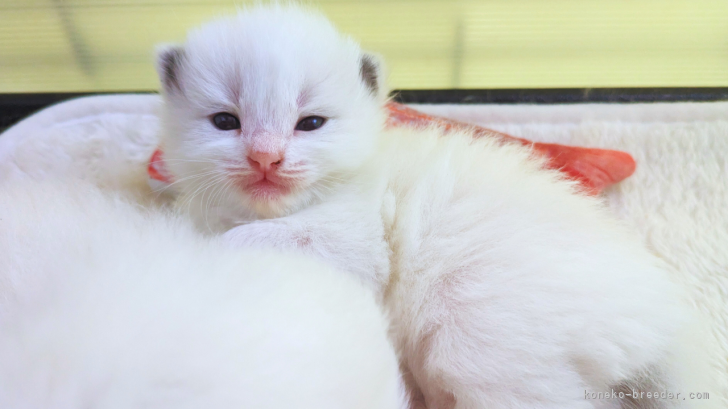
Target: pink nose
x,y
265,161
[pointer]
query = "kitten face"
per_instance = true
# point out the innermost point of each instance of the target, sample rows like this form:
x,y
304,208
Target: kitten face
x,y
266,111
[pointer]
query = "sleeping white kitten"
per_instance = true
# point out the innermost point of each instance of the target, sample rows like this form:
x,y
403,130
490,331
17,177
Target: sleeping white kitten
x,y
105,306
506,287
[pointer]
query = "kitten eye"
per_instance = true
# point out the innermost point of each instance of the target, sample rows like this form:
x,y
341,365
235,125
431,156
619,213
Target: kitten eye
x,y
310,123
225,121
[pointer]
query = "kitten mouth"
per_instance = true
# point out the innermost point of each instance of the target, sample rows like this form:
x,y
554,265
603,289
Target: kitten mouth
x,y
265,188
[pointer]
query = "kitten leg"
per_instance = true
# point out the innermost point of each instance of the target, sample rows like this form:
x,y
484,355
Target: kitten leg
x,y
349,238
274,233
416,397
449,379
458,361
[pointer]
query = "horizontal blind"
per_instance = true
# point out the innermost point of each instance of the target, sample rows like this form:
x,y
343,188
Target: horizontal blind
x,y
108,45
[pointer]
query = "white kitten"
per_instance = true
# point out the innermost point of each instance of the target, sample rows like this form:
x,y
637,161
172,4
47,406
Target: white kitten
x,y
508,289
244,98
105,306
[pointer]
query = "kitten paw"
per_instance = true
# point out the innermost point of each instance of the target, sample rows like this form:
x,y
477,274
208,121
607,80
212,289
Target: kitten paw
x,y
259,234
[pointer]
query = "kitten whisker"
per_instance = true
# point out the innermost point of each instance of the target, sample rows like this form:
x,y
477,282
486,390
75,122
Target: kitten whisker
x,y
161,189
188,200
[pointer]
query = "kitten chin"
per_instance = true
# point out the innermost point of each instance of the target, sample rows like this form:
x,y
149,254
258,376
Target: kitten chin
x,y
235,207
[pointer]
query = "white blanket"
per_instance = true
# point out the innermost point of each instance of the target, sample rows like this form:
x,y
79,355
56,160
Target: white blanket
x,y
677,199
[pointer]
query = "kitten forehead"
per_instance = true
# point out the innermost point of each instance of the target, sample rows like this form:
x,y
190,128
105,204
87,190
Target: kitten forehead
x,y
269,55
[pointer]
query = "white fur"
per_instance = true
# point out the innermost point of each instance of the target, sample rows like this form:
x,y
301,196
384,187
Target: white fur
x,y
105,139
677,199
507,288
106,305
512,290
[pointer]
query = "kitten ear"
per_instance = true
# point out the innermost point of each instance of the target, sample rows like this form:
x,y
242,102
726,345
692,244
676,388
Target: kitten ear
x,y
169,61
370,72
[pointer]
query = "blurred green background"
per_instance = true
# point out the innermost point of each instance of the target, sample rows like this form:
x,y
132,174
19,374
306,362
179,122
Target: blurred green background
x,y
107,45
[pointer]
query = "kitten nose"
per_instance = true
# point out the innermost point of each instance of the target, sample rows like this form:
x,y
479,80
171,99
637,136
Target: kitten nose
x,y
265,161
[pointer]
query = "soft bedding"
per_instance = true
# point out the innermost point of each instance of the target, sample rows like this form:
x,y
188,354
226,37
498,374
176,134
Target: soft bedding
x,y
677,197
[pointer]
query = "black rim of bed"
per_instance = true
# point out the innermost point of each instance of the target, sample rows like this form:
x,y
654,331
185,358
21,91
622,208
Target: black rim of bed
x,y
14,107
